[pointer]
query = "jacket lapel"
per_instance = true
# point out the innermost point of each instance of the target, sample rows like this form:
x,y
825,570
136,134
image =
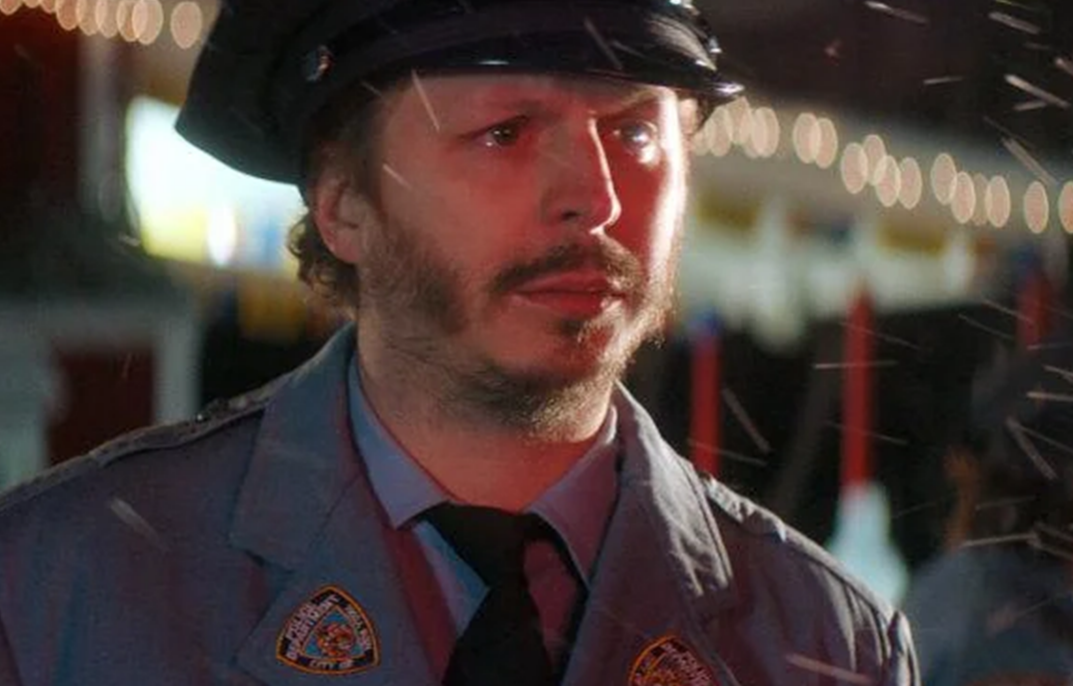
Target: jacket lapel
x,y
307,507
662,577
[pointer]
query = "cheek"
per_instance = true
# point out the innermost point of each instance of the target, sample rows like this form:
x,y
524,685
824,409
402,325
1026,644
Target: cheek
x,y
653,205
459,224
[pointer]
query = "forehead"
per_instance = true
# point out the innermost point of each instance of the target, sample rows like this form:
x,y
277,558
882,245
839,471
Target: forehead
x,y
457,93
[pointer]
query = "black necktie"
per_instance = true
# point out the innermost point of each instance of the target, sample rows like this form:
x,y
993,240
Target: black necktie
x,y
502,645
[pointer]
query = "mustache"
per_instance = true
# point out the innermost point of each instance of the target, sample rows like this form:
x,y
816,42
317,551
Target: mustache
x,y
620,267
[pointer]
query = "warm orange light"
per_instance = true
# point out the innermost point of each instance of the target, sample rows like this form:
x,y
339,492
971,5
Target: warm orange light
x,y
1065,207
124,19
979,186
943,175
87,16
744,130
963,200
147,20
854,168
719,132
806,137
997,202
767,124
186,23
828,144
67,14
1037,208
887,180
875,149
154,22
741,117
105,15
912,183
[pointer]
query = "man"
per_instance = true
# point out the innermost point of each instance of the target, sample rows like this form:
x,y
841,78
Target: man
x,y
996,607
456,490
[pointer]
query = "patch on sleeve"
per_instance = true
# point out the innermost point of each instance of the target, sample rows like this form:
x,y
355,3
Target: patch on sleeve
x,y
329,634
668,661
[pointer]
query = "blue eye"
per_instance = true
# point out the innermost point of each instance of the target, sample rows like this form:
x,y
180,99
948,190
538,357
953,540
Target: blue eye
x,y
641,138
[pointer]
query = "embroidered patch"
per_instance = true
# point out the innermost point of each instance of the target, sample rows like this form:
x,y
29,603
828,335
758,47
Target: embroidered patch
x,y
329,634
668,661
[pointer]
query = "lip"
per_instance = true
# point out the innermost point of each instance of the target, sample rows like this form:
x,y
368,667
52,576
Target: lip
x,y
578,295
572,283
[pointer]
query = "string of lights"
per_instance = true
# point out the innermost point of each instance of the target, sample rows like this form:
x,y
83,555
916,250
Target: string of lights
x,y
973,199
134,21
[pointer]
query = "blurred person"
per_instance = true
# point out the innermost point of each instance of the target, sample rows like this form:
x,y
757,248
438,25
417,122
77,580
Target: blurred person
x,y
457,489
997,606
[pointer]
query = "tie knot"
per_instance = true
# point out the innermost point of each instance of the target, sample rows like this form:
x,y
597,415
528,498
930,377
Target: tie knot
x,y
491,541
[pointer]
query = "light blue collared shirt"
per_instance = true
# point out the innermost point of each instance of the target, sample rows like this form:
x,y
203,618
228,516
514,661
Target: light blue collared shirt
x,y
577,506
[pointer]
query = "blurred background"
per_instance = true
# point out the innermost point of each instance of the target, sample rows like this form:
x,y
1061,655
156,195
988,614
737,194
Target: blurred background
x,y
886,214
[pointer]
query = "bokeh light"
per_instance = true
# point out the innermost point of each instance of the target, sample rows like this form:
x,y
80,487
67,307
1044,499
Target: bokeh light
x,y
963,199
741,120
87,16
887,179
912,183
997,203
67,14
148,21
124,19
828,150
767,126
1065,207
875,149
105,14
186,23
718,132
806,137
979,213
854,168
943,175
1037,208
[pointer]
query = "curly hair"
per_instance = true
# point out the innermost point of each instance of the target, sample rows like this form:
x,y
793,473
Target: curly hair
x,y
346,131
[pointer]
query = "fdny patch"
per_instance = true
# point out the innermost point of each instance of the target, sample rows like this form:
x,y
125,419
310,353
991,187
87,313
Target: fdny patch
x,y
329,634
668,661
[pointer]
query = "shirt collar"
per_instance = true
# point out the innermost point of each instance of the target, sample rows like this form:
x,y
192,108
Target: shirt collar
x,y
577,506
400,484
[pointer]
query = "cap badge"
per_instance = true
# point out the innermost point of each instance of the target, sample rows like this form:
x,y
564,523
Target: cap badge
x,y
329,634
317,63
668,661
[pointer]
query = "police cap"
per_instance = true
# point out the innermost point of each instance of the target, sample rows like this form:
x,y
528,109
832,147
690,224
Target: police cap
x,y
269,65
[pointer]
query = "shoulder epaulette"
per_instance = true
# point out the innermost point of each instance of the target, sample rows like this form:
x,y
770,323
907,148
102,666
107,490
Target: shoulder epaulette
x,y
213,417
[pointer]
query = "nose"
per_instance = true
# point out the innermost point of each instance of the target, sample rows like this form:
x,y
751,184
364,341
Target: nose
x,y
580,190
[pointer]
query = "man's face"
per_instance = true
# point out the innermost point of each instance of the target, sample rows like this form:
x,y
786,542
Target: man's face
x,y
526,227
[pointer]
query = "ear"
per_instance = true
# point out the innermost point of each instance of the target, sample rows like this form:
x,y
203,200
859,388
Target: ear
x,y
341,214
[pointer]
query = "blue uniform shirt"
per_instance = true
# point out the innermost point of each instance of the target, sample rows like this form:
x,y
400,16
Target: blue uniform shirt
x,y
577,507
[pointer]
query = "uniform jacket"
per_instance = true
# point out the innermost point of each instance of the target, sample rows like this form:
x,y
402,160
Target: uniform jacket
x,y
177,555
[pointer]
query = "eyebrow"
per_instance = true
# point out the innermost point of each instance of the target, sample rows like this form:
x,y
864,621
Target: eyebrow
x,y
614,102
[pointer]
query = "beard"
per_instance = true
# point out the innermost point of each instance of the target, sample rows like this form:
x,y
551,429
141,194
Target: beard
x,y
421,301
